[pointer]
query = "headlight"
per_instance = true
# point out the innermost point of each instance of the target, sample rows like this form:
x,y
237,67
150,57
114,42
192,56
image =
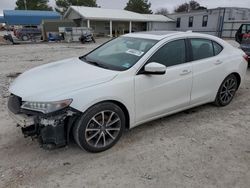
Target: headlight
x,y
46,107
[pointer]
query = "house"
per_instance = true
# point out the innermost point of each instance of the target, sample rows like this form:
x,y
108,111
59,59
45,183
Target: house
x,y
216,21
116,22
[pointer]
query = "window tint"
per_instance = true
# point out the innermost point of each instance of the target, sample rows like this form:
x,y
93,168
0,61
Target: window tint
x,y
178,22
190,21
202,48
217,48
173,53
204,21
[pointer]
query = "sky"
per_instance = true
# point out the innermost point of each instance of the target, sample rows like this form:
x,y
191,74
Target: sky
x,y
156,4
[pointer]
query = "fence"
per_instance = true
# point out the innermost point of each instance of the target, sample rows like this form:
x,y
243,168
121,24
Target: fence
x,y
230,28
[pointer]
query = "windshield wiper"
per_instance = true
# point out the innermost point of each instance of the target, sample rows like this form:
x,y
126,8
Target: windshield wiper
x,y
94,63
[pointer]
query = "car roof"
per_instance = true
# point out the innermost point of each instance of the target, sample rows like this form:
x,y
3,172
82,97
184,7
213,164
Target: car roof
x,y
159,35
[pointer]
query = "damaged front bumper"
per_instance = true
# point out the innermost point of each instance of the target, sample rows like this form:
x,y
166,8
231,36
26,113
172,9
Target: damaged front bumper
x,y
52,130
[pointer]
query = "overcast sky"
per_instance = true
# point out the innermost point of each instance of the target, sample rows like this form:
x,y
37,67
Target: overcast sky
x,y
156,4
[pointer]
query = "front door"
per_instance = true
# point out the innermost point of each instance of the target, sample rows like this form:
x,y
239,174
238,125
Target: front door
x,y
157,95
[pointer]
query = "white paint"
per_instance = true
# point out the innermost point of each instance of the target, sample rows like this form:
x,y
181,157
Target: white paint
x,y
88,23
130,27
111,28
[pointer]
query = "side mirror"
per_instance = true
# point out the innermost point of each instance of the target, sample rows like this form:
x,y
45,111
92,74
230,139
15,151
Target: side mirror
x,y
155,68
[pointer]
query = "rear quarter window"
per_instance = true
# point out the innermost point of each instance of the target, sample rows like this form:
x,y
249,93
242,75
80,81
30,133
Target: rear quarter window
x,y
217,48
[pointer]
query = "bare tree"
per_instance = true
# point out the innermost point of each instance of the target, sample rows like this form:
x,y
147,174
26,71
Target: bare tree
x,y
162,11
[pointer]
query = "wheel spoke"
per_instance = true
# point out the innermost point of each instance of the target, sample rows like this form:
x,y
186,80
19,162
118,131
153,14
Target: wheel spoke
x,y
104,140
94,119
94,135
110,117
231,85
98,139
103,118
111,136
113,122
223,96
92,129
112,129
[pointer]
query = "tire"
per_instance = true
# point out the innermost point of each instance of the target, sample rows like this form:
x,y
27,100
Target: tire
x,y
100,127
25,38
227,91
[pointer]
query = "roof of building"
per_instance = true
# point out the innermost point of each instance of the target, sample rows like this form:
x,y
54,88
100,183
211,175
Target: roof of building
x,y
28,17
212,9
92,13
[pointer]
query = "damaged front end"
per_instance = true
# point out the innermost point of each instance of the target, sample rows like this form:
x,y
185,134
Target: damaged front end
x,y
50,123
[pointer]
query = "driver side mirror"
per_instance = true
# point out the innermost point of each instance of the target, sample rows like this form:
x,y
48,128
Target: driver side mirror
x,y
155,68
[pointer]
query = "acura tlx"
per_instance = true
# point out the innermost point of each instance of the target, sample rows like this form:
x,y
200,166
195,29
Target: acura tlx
x,y
125,82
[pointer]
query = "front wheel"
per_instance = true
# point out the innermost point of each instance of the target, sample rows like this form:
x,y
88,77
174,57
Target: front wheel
x,y
227,91
100,127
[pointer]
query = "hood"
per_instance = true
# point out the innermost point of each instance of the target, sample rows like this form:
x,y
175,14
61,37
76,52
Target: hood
x,y
45,82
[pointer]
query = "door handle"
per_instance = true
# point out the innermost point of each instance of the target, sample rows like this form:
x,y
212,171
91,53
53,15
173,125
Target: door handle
x,y
185,72
218,62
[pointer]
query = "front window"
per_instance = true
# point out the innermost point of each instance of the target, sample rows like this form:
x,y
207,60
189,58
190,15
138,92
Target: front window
x,y
121,53
173,53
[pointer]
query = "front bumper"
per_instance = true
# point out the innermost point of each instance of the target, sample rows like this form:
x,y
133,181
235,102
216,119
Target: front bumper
x,y
51,130
22,120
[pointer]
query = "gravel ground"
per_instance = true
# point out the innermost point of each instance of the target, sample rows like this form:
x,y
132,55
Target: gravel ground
x,y
202,147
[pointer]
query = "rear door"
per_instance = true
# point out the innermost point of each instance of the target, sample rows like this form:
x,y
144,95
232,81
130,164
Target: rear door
x,y
207,69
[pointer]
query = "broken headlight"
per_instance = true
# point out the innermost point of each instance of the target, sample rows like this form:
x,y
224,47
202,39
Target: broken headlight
x,y
46,107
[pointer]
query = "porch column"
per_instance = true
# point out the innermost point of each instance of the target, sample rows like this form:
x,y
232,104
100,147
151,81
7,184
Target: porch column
x,y
130,27
111,29
88,23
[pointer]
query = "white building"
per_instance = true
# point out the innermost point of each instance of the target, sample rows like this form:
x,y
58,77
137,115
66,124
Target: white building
x,y
220,22
117,22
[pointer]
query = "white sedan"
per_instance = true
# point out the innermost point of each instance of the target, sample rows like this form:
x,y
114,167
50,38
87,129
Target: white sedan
x,y
125,82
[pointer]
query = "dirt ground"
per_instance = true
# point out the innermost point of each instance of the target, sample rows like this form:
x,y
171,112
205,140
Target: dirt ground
x,y
202,147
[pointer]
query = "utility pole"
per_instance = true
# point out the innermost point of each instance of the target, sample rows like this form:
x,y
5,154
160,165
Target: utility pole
x,y
25,4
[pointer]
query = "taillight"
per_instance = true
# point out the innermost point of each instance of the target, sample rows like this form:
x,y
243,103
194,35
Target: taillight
x,y
245,57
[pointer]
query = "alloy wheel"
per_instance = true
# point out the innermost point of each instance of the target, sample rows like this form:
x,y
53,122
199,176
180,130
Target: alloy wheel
x,y
102,129
228,90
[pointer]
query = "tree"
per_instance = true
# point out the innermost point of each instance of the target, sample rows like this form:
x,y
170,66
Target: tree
x,y
162,11
187,7
63,5
33,5
139,6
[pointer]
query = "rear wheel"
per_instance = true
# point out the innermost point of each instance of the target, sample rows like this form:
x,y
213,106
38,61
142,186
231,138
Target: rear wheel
x,y
25,38
227,91
100,127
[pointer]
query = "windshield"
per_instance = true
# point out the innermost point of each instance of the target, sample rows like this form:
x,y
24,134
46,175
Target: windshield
x,y
120,53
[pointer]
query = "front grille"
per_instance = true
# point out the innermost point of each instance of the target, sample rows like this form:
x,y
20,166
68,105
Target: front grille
x,y
14,104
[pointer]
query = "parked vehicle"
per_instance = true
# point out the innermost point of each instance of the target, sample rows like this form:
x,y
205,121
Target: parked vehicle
x,y
28,33
87,37
245,45
244,28
128,81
